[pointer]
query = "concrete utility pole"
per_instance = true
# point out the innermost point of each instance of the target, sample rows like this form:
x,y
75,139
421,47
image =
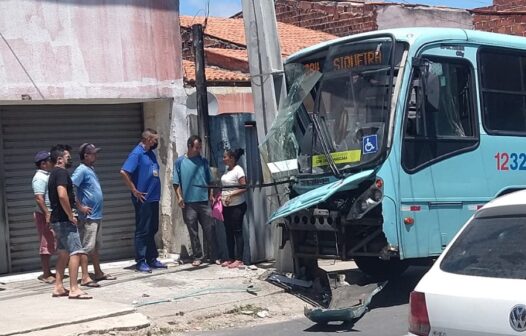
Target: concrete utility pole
x,y
265,62
268,89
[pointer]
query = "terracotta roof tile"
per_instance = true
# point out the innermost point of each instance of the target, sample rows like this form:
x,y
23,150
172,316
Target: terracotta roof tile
x,y
292,38
213,74
295,38
223,28
229,59
241,55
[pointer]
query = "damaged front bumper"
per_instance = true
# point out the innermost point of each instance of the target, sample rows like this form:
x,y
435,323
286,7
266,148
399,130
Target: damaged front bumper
x,y
348,304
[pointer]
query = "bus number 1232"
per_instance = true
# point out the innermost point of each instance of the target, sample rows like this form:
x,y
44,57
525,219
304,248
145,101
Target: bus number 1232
x,y
513,161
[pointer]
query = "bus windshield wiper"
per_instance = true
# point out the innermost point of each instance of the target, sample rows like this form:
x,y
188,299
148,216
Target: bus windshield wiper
x,y
325,146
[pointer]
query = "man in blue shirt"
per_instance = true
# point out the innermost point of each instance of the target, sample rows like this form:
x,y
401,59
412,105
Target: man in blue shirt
x,y
89,203
191,176
141,175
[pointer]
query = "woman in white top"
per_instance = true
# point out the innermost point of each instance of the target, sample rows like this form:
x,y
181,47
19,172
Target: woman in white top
x,y
234,206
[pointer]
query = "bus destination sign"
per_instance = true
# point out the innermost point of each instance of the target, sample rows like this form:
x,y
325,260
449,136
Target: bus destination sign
x,y
355,60
348,61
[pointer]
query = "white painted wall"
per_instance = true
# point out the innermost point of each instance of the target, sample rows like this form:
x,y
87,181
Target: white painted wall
x,y
101,51
398,16
160,115
89,49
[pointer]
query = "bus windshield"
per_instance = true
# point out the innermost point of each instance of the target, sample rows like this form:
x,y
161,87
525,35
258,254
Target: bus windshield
x,y
340,119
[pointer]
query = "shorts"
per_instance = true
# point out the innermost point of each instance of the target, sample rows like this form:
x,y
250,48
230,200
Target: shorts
x,y
45,235
68,237
90,234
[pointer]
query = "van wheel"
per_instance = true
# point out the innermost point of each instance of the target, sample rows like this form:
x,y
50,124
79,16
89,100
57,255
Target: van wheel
x,y
381,269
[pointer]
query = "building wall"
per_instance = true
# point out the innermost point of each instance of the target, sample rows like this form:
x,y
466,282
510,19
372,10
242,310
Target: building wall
x,y
396,16
509,5
233,99
344,18
337,18
100,51
222,99
89,49
498,21
160,115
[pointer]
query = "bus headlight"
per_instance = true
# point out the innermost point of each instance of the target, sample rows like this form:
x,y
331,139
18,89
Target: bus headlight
x,y
369,199
377,195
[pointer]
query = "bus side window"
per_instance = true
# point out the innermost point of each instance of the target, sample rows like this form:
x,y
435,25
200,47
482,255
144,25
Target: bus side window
x,y
440,114
444,87
503,93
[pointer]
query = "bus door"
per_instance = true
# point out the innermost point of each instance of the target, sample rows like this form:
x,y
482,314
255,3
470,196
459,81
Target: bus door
x,y
440,180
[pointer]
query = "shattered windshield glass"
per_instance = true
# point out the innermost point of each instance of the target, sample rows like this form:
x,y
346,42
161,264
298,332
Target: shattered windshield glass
x,y
336,115
280,148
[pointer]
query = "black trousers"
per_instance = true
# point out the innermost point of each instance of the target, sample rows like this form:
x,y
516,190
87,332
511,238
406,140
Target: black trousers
x,y
233,219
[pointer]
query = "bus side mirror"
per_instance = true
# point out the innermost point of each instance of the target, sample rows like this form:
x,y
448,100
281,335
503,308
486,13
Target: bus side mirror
x,y
422,65
419,62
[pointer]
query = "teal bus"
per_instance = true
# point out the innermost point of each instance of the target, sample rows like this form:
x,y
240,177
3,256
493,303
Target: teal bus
x,y
392,139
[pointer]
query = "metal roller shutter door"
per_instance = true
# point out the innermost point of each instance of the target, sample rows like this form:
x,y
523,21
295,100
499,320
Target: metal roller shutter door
x,y
27,129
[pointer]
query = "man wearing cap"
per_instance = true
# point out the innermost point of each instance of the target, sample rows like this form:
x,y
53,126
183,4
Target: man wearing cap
x,y
90,205
42,214
140,172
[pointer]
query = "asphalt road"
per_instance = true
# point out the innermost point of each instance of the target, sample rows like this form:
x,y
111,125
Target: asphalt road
x,y
387,315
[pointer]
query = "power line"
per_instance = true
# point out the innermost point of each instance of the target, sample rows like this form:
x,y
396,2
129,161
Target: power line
x,y
22,65
207,15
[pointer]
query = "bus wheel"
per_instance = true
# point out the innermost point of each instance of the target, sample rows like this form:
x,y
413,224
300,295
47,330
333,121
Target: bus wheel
x,y
381,269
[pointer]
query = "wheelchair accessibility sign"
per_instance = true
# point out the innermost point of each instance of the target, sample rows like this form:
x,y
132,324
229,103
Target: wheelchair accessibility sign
x,y
370,144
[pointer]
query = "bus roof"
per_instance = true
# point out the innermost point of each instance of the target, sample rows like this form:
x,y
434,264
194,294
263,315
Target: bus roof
x,y
417,36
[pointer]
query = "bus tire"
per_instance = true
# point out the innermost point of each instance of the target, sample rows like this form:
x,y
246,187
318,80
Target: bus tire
x,y
381,269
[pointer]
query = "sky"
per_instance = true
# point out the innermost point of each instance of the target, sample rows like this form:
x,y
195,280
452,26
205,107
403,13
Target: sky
x,y
226,8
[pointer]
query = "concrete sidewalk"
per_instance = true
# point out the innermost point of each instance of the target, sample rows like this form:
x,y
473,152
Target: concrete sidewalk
x,y
133,301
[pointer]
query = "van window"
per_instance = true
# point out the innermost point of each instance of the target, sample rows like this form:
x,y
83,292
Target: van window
x,y
503,91
440,114
489,247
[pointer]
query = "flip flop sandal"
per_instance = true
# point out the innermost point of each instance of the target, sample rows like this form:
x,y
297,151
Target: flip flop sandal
x,y
66,293
196,263
91,283
50,280
106,277
80,297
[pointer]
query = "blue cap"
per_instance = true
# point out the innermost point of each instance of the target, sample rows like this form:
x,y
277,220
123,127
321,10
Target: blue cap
x,y
42,156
